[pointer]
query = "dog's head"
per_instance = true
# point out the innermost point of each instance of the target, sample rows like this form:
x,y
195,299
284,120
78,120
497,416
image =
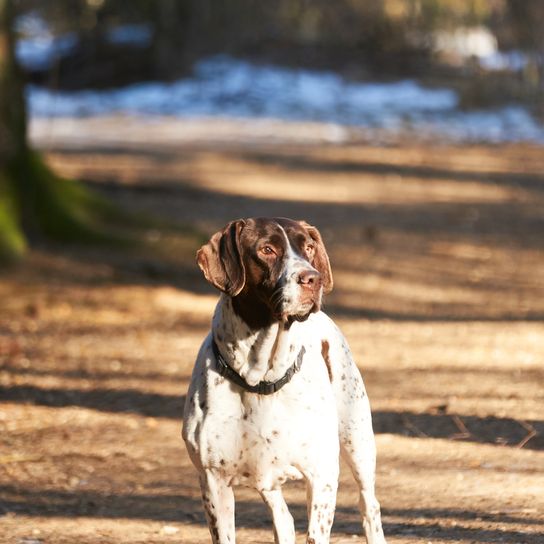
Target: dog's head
x,y
275,269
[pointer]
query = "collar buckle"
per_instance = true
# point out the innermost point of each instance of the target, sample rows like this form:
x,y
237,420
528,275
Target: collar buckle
x,y
266,388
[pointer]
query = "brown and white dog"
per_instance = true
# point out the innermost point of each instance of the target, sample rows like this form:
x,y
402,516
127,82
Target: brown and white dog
x,y
275,394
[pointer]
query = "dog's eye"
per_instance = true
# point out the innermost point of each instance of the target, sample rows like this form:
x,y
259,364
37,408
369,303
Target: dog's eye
x,y
267,250
310,249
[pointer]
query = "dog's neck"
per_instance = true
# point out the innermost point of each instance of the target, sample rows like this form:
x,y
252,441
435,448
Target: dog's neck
x,y
256,355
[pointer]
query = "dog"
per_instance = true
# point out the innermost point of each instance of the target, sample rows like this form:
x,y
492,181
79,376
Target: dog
x,y
275,394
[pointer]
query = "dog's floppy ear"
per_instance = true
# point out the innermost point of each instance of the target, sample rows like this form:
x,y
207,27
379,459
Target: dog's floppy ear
x,y
221,259
321,259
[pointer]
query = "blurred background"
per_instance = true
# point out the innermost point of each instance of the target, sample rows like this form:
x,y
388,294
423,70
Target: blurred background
x,y
411,133
464,70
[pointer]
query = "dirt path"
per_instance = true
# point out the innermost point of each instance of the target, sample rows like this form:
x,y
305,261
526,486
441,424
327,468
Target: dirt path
x,y
439,268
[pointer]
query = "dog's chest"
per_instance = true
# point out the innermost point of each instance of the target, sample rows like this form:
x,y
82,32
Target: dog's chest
x,y
263,441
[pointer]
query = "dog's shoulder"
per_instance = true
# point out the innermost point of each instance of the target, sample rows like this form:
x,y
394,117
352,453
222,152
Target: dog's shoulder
x,y
317,325
203,360
322,327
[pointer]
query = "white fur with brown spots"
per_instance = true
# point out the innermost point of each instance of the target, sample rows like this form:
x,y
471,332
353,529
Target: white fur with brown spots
x,y
235,437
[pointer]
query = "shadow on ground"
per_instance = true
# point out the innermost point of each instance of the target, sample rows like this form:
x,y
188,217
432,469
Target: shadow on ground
x,y
253,514
390,240
491,430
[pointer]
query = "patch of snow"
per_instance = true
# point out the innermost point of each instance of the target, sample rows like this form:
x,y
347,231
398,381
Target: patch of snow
x,y
509,61
225,87
507,124
42,53
479,43
31,24
37,48
476,41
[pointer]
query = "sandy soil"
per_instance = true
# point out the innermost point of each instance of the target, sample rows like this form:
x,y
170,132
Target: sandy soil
x,y
439,268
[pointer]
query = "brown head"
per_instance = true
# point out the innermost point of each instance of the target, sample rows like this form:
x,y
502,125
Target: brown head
x,y
275,269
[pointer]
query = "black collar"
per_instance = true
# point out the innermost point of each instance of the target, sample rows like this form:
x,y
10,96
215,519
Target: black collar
x,y
263,387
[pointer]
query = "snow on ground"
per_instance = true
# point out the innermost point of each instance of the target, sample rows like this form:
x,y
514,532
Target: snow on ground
x,y
37,47
479,44
225,87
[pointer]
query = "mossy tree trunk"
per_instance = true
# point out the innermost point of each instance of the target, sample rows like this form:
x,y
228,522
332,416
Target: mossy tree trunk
x,y
12,138
34,202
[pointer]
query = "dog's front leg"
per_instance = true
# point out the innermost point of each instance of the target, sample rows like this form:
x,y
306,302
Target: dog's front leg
x,y
322,499
360,455
358,446
284,527
218,499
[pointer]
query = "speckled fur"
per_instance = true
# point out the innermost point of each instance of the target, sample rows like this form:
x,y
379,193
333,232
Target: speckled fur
x,y
236,437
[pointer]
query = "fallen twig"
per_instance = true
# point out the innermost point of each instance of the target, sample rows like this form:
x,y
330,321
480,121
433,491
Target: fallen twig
x,y
407,423
463,431
531,433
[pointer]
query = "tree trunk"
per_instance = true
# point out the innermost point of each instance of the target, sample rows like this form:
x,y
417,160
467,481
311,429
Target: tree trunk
x,y
34,202
12,137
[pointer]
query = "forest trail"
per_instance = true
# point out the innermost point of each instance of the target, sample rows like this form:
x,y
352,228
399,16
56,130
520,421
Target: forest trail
x,y
438,258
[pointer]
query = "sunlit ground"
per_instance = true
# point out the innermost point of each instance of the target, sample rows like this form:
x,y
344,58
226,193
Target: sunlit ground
x,y
439,286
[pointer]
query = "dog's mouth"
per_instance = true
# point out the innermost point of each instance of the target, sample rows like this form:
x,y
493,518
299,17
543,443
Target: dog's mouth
x,y
298,308
300,318
287,317
300,315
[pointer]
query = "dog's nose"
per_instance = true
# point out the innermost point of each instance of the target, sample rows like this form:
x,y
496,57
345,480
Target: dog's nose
x,y
309,278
